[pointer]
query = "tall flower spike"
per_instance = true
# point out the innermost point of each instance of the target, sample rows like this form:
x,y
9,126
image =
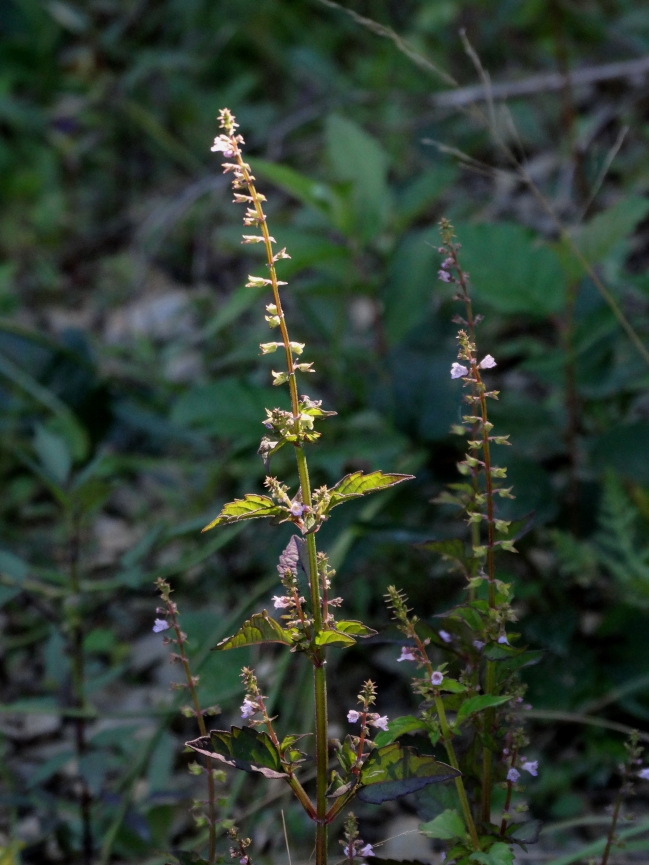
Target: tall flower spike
x,y
228,143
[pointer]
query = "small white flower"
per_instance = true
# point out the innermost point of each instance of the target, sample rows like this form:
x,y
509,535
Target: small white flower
x,y
644,774
444,275
445,636
346,850
297,509
353,716
513,775
367,850
479,645
160,625
248,708
458,371
407,654
437,678
382,723
502,639
531,766
487,362
281,603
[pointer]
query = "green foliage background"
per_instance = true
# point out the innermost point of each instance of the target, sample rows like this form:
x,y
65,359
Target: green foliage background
x,y
131,388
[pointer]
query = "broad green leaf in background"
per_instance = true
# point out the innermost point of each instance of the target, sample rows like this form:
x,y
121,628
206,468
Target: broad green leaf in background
x,y
260,628
451,548
53,453
478,704
445,826
397,727
313,193
509,270
251,507
412,278
242,747
393,771
416,198
525,833
602,233
499,854
229,408
358,484
358,159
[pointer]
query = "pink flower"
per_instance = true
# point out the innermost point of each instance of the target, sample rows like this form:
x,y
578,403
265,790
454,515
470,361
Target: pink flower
x,y
160,625
437,678
222,144
407,654
248,708
281,603
487,362
353,716
445,636
444,275
297,509
513,775
531,766
458,371
381,722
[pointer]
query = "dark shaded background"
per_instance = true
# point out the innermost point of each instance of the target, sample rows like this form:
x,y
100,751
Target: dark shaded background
x,y
131,390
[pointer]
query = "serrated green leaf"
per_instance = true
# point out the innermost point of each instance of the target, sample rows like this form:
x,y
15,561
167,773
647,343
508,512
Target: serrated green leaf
x,y
499,854
478,704
355,629
244,748
445,826
260,628
334,638
358,484
397,727
251,507
393,771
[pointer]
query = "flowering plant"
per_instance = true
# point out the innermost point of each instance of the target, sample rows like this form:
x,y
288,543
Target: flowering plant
x,y
471,703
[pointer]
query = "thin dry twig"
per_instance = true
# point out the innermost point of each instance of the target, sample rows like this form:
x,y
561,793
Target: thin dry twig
x,y
402,45
544,83
601,177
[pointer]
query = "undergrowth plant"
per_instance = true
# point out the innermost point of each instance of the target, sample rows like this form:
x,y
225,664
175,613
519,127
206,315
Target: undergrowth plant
x,y
471,710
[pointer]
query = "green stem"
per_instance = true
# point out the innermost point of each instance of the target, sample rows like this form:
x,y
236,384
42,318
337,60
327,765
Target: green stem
x,y
318,654
459,783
